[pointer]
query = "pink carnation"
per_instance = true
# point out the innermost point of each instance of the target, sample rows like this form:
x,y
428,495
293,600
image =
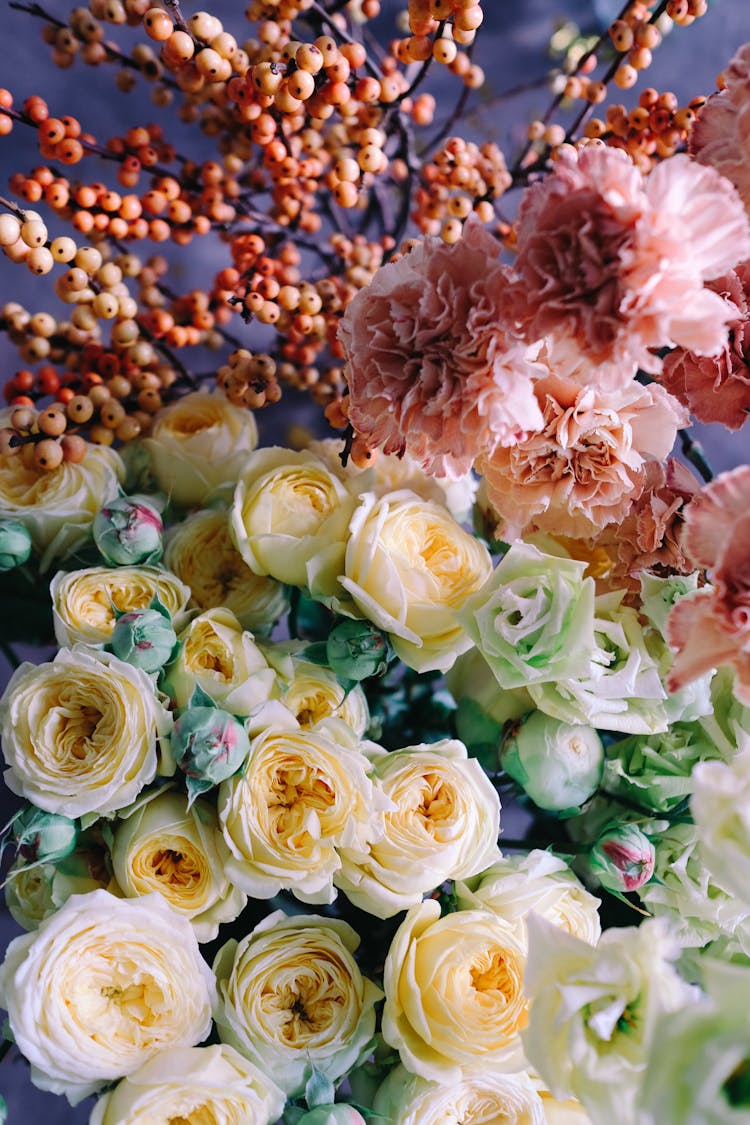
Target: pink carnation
x,y
586,464
612,265
721,135
432,367
717,388
712,627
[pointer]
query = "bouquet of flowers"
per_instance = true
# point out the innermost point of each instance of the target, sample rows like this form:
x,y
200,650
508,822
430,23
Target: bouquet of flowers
x,y
260,855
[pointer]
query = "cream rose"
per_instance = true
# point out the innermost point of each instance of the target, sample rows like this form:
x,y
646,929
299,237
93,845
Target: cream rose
x,y
221,658
409,568
198,444
291,997
177,851
539,881
58,507
453,995
82,734
201,553
444,825
85,603
315,694
302,796
479,1097
101,987
197,1084
290,519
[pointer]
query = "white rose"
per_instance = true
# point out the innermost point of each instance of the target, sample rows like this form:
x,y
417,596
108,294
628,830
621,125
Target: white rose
x,y
444,825
198,444
720,805
291,997
82,734
101,987
211,1084
478,1097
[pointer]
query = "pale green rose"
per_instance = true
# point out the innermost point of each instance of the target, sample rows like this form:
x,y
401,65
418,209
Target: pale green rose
x,y
729,720
338,1114
221,658
720,805
201,553
453,993
694,699
655,771
83,733
533,620
303,795
85,603
34,891
619,689
558,764
291,997
290,519
594,1009
104,985
479,1096
443,824
211,1084
315,693
178,852
659,595
470,681
540,881
409,569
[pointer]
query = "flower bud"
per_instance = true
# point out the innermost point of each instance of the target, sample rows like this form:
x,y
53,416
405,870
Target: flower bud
x,y
356,650
623,858
43,837
128,532
340,1114
209,745
15,544
144,638
558,764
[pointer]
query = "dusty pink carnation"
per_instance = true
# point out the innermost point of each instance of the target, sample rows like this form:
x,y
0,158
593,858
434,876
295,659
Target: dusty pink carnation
x,y
717,388
712,627
612,265
586,464
721,135
432,367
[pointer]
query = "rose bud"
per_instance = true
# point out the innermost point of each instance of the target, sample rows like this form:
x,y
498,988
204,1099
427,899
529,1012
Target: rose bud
x,y
623,858
209,745
356,650
558,764
128,531
144,638
15,544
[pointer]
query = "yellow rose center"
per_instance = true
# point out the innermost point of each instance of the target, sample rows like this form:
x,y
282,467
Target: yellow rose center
x,y
490,974
303,1008
175,869
294,792
437,802
205,652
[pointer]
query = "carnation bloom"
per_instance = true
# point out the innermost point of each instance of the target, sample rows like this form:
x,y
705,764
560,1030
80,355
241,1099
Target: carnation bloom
x,y
432,366
584,466
611,265
720,135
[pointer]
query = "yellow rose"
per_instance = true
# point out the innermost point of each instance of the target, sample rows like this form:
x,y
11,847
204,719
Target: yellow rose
x,y
291,997
84,601
315,694
302,796
178,852
444,825
409,567
290,519
198,444
200,551
192,1084
81,734
453,996
479,1097
102,986
221,657
58,507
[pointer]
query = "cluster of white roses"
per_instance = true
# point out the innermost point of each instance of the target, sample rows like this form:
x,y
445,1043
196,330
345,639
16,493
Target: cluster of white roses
x,y
182,766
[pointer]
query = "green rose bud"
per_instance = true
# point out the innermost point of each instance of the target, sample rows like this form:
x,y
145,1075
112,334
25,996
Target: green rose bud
x,y
558,764
15,544
340,1114
623,858
144,638
43,837
209,745
356,650
128,532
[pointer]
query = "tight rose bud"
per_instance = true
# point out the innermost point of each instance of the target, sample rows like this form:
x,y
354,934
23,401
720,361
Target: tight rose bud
x,y
623,858
340,1114
43,837
209,745
356,650
128,532
558,764
144,638
15,544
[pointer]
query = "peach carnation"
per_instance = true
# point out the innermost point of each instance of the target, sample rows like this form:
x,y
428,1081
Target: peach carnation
x,y
712,626
721,135
433,369
586,464
612,265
